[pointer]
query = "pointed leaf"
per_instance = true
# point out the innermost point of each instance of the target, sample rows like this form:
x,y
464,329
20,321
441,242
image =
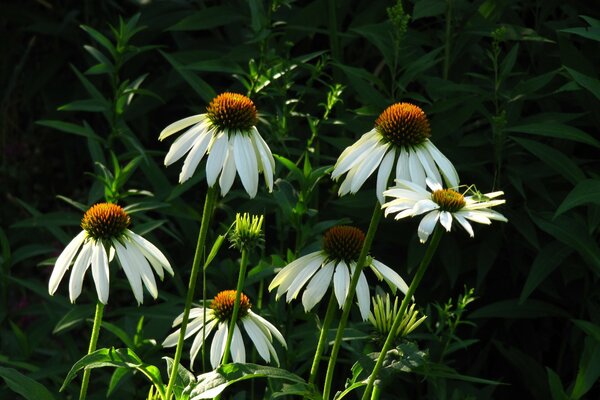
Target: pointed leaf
x,y
586,192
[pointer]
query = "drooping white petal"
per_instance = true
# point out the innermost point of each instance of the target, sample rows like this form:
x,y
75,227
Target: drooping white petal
x,y
217,347
391,276
367,167
245,160
445,166
152,253
286,276
131,271
260,321
229,168
300,280
216,157
258,338
317,287
198,342
238,352
184,143
145,271
355,154
181,124
341,282
347,182
476,216
383,175
465,224
265,157
402,166
193,158
100,271
78,272
417,173
427,225
362,295
64,261
446,220
428,164
423,206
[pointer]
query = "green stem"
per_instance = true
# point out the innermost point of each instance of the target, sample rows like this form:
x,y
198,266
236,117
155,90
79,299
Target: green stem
x,y
209,205
323,338
93,340
376,392
236,305
433,244
375,218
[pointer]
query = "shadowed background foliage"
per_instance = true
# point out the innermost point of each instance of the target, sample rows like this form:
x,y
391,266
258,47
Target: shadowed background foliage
x,y
512,92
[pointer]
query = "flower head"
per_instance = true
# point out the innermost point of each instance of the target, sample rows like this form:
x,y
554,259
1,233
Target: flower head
x,y
247,232
443,205
105,233
335,263
218,315
227,133
400,141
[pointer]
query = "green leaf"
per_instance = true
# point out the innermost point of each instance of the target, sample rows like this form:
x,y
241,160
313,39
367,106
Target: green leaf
x,y
203,89
70,128
211,384
589,369
208,18
76,315
23,385
296,172
555,159
546,261
428,8
587,82
556,130
101,58
214,250
555,385
183,382
586,192
100,38
115,358
90,105
589,328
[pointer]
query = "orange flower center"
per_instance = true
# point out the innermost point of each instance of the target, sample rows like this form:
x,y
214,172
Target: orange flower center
x,y
232,111
403,124
343,243
223,303
448,199
105,221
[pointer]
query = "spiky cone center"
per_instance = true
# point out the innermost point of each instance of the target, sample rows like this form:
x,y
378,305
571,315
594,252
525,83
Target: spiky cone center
x,y
223,303
343,243
403,124
448,200
232,111
105,221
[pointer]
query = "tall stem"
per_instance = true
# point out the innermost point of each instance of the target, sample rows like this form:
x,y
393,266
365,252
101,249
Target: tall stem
x,y
236,305
322,338
93,340
433,244
209,205
362,258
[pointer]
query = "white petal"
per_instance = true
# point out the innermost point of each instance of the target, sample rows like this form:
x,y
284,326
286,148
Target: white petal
x,y
427,225
217,347
198,342
445,166
100,271
428,164
362,294
245,160
465,224
341,282
301,278
347,182
355,154
181,124
145,271
476,216
265,157
274,331
238,352
317,287
258,338
193,158
184,143
64,261
383,175
228,175
417,173
216,157
367,167
286,276
423,206
391,276
446,220
402,166
152,253
78,272
131,271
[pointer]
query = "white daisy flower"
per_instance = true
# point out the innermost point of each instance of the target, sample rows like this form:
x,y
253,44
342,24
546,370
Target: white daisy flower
x,y
105,234
443,205
335,263
400,141
218,316
227,133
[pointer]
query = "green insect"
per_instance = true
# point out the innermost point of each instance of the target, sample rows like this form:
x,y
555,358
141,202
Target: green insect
x,y
475,194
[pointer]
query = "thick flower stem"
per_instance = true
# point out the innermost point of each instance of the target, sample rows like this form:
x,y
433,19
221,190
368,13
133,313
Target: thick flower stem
x,y
93,340
236,304
209,205
362,258
322,338
433,244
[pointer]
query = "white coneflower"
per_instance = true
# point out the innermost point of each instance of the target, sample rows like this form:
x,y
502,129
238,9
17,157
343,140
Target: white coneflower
x,y
335,263
218,315
228,134
400,138
105,233
443,205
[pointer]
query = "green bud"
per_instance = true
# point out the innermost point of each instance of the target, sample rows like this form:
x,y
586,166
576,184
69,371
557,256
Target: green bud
x,y
384,313
247,232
